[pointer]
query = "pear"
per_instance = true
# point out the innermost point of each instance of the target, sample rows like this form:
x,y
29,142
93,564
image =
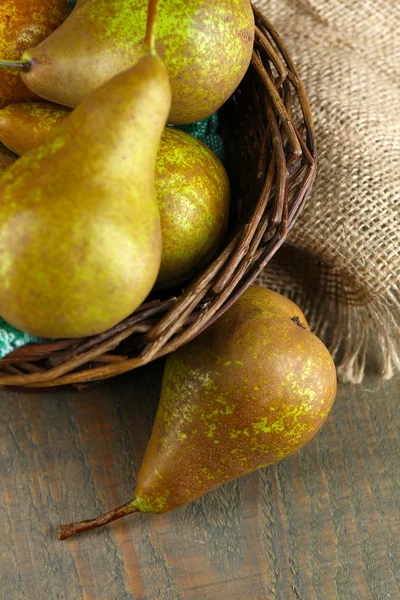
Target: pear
x,y
26,125
206,45
193,195
7,158
191,183
80,233
23,24
251,390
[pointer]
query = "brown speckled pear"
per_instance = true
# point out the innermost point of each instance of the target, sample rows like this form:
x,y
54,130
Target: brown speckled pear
x,y
7,158
206,45
26,125
80,232
193,195
251,390
191,183
23,24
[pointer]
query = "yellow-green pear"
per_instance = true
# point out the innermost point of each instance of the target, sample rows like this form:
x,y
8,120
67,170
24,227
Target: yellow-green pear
x,y
193,195
26,125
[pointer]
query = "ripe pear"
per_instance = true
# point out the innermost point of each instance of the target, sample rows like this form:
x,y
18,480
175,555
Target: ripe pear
x,y
251,390
26,125
193,195
191,183
7,158
206,46
23,24
80,232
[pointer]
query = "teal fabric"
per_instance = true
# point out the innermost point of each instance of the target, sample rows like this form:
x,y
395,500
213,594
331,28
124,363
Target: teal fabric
x,y
11,339
207,132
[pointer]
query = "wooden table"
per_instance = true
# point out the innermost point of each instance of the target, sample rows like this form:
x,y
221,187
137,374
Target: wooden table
x,y
321,525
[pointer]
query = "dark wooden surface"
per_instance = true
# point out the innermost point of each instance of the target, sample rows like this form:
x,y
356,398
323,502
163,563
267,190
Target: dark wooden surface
x,y
321,525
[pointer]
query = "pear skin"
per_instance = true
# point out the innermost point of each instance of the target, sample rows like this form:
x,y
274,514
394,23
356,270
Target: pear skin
x,y
7,158
80,233
206,46
251,390
193,195
26,125
23,24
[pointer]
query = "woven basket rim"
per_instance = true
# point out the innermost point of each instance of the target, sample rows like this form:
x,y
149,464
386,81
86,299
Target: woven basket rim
x,y
284,171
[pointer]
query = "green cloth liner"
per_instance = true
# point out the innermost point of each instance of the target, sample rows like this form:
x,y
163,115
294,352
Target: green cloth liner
x,y
207,132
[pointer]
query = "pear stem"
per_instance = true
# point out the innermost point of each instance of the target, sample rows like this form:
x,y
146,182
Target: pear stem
x,y
298,322
67,531
150,39
15,65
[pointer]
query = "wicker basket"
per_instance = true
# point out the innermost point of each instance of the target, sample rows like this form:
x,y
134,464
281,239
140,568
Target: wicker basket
x,y
270,141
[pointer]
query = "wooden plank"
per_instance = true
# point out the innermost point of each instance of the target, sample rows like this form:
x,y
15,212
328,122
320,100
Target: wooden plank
x,y
322,525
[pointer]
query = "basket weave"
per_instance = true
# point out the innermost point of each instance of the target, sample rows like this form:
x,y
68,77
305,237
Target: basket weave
x,y
270,141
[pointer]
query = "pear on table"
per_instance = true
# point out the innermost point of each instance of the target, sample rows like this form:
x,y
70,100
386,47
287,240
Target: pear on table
x,y
251,390
206,45
23,24
80,233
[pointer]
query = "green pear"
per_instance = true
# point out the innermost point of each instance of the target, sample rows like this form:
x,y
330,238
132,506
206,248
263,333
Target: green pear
x,y
206,45
193,195
23,24
251,390
80,233
191,184
26,125
7,158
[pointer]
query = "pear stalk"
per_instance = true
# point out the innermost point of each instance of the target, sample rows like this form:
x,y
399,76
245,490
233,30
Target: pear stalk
x,y
15,65
150,39
67,531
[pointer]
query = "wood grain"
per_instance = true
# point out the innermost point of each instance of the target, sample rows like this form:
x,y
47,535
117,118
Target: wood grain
x,y
322,525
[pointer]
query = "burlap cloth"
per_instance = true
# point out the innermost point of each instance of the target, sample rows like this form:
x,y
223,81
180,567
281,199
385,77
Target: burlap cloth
x,y
342,261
